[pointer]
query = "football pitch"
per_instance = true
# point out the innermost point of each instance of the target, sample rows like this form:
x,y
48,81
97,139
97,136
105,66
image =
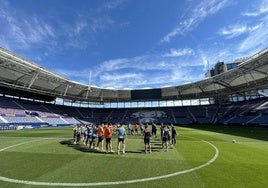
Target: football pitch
x,y
204,156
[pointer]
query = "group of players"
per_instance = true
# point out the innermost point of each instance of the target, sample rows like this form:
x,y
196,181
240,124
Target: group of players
x,y
93,136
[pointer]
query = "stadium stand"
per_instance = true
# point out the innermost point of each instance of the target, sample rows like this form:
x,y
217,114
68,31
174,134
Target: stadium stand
x,y
237,113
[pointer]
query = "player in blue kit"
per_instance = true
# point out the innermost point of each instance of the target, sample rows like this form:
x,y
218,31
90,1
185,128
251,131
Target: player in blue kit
x,y
122,136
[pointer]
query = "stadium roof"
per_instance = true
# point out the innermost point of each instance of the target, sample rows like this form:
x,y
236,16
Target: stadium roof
x,y
17,73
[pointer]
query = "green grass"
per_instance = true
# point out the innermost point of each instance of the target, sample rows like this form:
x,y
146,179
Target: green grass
x,y
50,156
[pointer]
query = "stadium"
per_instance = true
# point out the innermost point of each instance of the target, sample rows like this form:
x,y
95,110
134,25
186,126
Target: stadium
x,y
30,96
221,123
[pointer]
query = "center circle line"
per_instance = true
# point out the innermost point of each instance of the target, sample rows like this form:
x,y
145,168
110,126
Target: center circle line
x,y
2,178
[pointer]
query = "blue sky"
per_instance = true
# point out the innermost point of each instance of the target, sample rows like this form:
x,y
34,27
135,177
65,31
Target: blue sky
x,y
131,43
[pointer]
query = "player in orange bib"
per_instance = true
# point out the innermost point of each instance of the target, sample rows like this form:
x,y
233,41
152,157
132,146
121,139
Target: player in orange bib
x,y
100,133
108,138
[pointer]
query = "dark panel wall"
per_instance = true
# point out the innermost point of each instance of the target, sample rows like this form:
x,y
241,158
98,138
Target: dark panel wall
x,y
146,94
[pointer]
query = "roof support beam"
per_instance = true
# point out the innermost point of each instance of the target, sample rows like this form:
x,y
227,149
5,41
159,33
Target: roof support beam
x,y
201,88
33,79
178,93
101,95
222,83
262,72
88,90
66,89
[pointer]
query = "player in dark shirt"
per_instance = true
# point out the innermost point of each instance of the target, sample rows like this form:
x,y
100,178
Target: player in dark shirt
x,y
173,135
147,137
165,137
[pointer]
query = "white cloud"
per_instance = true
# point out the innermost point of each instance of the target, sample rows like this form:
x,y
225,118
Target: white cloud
x,y
115,64
205,60
122,80
146,71
80,26
210,55
252,33
118,76
256,40
34,31
109,5
179,52
101,23
23,32
197,15
140,63
260,9
236,30
81,75
37,31
257,37
138,72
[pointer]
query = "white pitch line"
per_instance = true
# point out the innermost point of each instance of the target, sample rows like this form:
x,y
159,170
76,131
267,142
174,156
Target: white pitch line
x,y
109,183
16,145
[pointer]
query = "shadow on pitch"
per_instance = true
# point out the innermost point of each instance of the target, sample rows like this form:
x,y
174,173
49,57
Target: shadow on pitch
x,y
69,143
80,147
83,148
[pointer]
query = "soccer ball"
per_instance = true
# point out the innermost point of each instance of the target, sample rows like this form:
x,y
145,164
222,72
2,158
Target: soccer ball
x,y
234,141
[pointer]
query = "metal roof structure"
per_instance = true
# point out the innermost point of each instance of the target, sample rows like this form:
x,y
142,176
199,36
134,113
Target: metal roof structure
x,y
20,74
